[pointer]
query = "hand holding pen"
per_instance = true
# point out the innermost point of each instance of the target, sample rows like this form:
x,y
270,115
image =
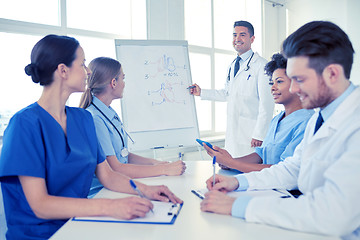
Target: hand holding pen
x,y
133,185
222,183
195,89
213,163
159,193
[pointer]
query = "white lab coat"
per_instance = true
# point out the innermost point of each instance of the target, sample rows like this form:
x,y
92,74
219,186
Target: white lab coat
x,y
326,168
250,105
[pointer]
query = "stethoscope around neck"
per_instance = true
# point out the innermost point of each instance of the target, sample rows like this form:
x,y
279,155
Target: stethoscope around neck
x,y
246,69
124,151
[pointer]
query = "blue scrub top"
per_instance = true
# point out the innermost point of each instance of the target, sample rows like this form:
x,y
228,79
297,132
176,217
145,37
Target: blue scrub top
x,y
34,144
283,136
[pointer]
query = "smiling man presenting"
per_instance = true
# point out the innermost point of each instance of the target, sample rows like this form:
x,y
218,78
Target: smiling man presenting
x,y
247,92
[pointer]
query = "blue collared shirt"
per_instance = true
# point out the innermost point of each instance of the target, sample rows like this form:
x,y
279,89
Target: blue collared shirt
x,y
109,138
327,111
239,206
245,56
283,136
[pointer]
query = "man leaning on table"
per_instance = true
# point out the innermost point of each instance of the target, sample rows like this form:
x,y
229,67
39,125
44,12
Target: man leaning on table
x,y
325,166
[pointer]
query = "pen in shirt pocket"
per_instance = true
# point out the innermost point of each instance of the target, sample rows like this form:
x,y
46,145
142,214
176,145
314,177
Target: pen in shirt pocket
x,y
248,77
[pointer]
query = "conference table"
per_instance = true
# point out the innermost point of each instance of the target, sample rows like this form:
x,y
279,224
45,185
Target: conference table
x,y
191,222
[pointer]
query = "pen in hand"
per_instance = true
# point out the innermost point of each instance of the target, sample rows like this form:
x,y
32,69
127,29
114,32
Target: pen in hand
x,y
133,185
191,87
214,161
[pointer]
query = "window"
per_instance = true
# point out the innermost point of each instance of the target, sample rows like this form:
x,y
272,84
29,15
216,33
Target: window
x,y
31,11
101,16
209,33
93,23
97,23
17,90
202,74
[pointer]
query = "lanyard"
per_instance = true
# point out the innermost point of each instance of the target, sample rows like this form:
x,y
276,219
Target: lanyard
x,y
122,140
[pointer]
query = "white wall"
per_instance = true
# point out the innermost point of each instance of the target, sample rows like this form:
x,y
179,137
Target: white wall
x,y
353,30
274,28
296,13
165,19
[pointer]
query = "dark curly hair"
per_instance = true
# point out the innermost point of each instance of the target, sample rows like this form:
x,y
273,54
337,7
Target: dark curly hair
x,y
277,61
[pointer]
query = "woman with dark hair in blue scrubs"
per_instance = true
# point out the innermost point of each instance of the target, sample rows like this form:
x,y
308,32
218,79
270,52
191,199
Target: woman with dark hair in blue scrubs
x,y
50,153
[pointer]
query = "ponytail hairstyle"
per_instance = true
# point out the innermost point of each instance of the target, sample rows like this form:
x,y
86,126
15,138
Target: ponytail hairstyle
x,y
46,56
103,70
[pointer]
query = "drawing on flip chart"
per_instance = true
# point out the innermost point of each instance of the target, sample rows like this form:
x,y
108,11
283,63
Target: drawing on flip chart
x,y
165,78
164,66
163,63
157,109
156,82
166,94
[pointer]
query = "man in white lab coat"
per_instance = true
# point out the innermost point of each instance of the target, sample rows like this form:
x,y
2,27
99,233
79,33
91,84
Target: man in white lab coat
x,y
249,102
326,164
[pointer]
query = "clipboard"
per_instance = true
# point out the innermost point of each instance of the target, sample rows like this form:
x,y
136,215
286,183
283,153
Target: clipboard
x,y
164,213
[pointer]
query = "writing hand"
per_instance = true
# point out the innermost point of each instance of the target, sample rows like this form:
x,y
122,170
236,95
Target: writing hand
x,y
161,193
217,202
129,208
222,183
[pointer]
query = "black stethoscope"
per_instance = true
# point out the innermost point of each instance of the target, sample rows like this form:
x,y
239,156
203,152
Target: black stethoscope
x,y
124,152
246,69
